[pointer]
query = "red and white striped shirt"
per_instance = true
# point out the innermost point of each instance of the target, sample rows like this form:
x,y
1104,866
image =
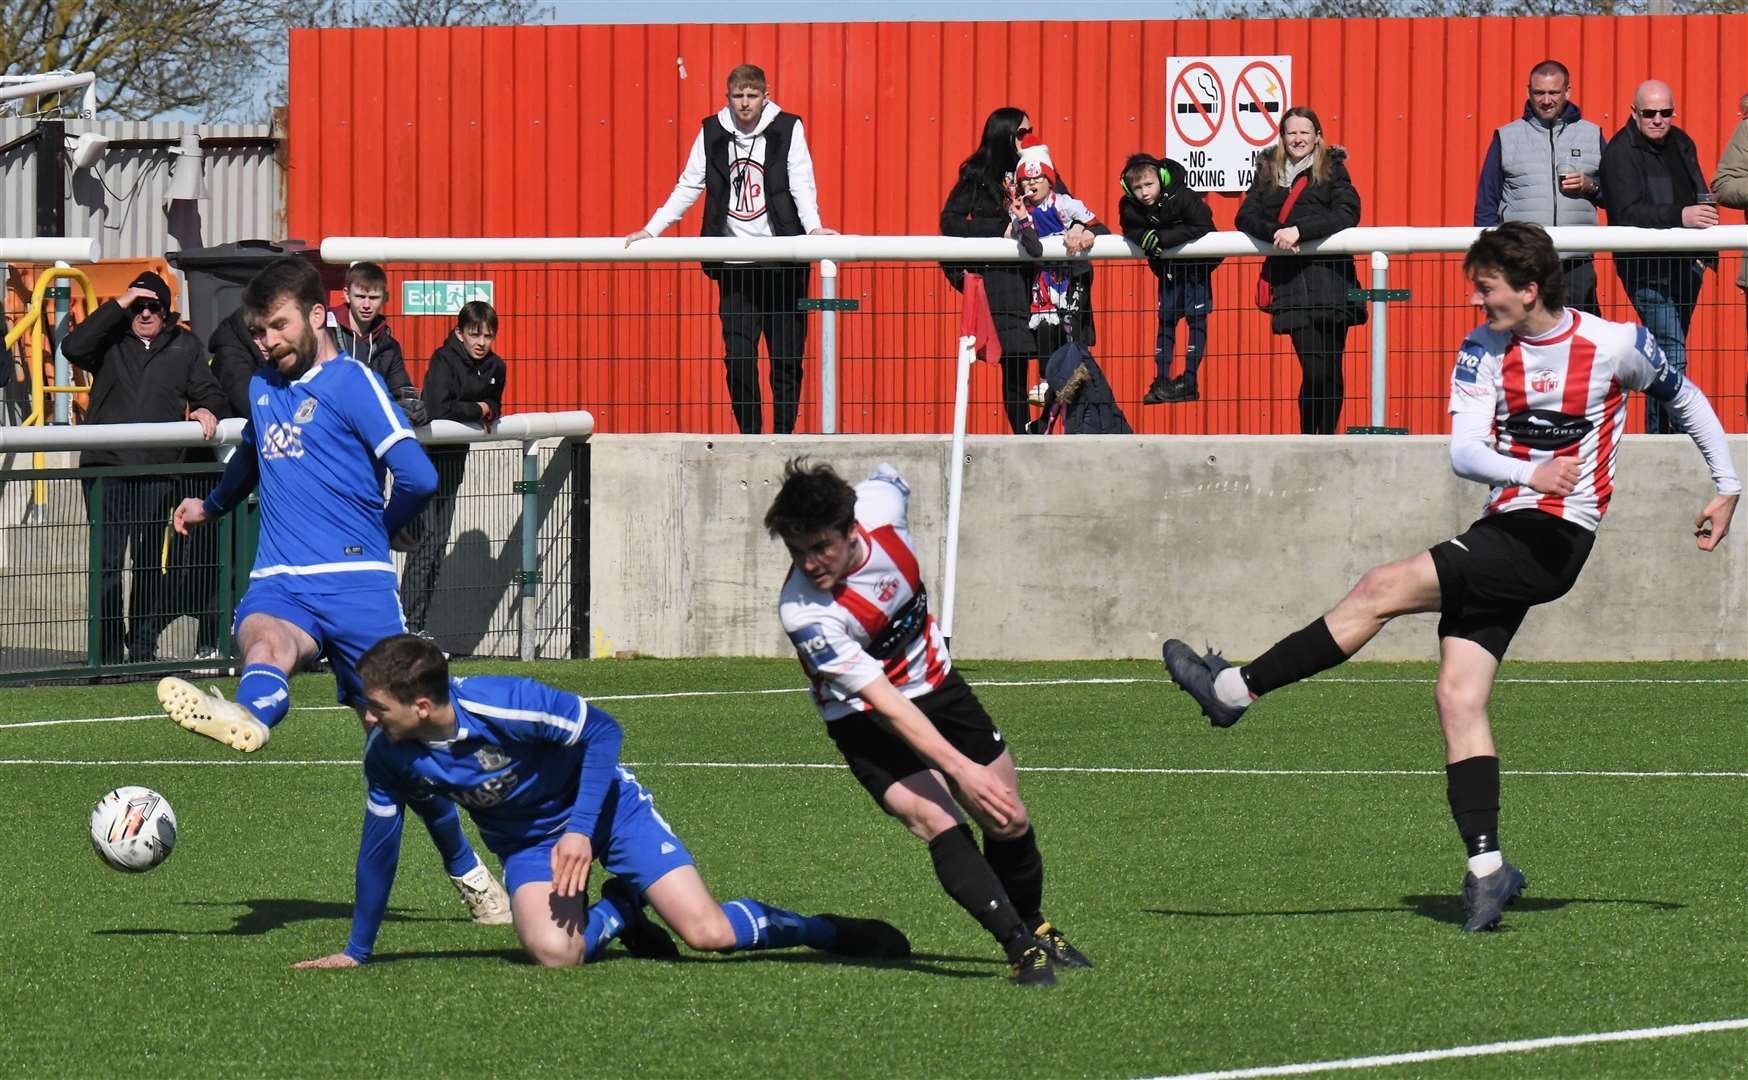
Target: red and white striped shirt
x,y
876,620
1559,395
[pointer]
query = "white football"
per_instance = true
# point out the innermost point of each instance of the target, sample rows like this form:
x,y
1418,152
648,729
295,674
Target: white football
x,y
133,829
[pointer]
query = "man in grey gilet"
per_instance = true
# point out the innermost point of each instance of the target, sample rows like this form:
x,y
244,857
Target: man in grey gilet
x,y
1544,168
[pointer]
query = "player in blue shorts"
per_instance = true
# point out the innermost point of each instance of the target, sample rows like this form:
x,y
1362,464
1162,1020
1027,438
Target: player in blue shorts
x,y
538,770
322,434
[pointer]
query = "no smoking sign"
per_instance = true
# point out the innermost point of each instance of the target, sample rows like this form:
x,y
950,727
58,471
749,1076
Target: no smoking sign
x,y
1222,110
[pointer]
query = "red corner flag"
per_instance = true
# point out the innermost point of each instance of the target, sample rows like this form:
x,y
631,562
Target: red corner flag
x,y
977,322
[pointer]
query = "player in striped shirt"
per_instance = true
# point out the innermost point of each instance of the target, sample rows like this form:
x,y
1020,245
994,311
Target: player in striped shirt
x,y
321,437
908,725
1538,404
538,770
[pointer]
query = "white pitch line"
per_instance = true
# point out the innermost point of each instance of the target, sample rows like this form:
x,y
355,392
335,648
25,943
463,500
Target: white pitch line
x,y
1085,770
1514,1046
1091,681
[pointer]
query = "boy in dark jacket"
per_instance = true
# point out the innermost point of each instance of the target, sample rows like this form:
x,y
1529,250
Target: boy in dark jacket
x,y
465,383
361,332
1160,210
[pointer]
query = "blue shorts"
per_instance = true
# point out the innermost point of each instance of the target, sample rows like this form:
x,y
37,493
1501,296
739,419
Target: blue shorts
x,y
631,840
345,619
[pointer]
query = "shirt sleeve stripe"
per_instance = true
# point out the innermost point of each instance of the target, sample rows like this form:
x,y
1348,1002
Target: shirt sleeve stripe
x,y
573,728
381,811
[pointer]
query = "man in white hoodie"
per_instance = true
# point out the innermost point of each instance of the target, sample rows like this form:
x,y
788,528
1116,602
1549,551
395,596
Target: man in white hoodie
x,y
750,162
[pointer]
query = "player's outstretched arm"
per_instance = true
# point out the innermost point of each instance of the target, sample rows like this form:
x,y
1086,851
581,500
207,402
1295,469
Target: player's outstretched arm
x,y
332,960
1713,523
977,786
242,473
379,852
1695,415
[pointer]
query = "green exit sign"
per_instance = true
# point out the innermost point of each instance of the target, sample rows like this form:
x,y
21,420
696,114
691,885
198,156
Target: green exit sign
x,y
441,297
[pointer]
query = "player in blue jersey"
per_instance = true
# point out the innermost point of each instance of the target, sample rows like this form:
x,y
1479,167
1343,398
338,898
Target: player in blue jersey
x,y
538,770
322,434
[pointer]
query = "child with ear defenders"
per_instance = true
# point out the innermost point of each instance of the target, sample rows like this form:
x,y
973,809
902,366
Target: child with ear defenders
x,y
1160,210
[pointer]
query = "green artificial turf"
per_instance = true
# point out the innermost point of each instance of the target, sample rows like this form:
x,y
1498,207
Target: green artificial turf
x,y
1283,892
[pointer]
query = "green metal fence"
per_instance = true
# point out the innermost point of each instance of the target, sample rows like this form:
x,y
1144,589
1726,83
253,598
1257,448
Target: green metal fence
x,y
164,603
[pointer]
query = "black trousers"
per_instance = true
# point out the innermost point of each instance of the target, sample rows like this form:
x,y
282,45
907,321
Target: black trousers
x,y
425,563
760,301
1580,274
1320,346
195,563
1016,373
134,515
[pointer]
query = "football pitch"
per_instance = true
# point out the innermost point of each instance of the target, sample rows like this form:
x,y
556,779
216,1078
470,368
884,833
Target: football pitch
x,y
1274,899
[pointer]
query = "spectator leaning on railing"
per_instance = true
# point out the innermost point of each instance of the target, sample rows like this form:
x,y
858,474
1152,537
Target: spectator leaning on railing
x,y
1651,179
1731,185
144,369
1543,167
1302,192
751,163
465,383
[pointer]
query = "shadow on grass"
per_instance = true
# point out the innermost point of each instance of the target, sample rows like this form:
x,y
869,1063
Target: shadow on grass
x,y
923,963
264,916
1443,907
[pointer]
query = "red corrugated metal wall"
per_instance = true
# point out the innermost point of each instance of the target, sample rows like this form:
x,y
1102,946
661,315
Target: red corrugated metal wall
x,y
581,130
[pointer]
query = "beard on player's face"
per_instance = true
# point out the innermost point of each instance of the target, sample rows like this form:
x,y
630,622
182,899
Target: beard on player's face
x,y
296,354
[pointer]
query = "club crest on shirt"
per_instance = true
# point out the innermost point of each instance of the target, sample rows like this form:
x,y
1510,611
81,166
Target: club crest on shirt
x,y
1544,380
491,758
306,411
887,589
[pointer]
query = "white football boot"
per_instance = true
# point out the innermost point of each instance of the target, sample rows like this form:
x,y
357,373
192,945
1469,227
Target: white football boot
x,y
211,715
487,901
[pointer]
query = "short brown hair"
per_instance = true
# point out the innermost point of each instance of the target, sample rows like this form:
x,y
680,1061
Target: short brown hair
x,y
1521,252
366,275
406,667
288,275
747,75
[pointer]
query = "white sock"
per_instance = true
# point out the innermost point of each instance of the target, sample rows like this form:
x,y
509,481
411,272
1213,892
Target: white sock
x,y
1485,863
1229,687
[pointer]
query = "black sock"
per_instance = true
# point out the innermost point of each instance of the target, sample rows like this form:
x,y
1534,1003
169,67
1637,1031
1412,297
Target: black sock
x,y
1297,656
966,876
1020,867
1472,786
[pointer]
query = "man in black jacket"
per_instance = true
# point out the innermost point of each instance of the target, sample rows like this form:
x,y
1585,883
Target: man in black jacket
x,y
464,383
1651,178
144,369
1160,210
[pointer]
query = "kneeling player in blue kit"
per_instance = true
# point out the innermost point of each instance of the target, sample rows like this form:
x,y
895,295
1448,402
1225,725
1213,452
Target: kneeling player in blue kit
x,y
538,770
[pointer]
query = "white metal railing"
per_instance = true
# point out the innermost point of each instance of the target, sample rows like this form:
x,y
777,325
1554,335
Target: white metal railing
x,y
1379,243
48,249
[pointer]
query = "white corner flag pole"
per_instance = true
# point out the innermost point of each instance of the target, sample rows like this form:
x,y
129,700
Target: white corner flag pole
x,y
956,479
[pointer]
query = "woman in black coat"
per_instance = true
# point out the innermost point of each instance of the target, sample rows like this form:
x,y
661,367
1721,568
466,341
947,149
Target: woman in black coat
x,y
982,204
1309,303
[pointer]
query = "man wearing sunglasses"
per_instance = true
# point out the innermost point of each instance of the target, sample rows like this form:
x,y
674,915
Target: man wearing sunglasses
x,y
144,369
1651,179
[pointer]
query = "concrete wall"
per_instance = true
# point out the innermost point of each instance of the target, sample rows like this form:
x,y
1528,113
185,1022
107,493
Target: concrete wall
x,y
1097,546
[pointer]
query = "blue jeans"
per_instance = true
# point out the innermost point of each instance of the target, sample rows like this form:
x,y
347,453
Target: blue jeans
x,y
1184,293
1664,294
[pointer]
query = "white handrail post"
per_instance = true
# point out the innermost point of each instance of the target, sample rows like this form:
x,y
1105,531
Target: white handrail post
x,y
828,348
956,479
1380,335
528,580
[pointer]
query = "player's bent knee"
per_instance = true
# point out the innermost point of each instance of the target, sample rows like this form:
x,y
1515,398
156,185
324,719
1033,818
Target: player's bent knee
x,y
706,931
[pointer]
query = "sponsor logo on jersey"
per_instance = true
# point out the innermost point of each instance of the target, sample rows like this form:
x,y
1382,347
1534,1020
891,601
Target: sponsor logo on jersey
x,y
491,758
281,441
1544,380
887,589
306,411
812,647
1468,361
1545,429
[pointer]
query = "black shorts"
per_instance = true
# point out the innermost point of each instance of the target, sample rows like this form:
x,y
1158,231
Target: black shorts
x,y
879,759
1489,577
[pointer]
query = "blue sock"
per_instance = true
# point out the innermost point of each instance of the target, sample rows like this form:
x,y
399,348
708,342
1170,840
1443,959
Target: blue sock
x,y
443,822
761,926
265,693
606,919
